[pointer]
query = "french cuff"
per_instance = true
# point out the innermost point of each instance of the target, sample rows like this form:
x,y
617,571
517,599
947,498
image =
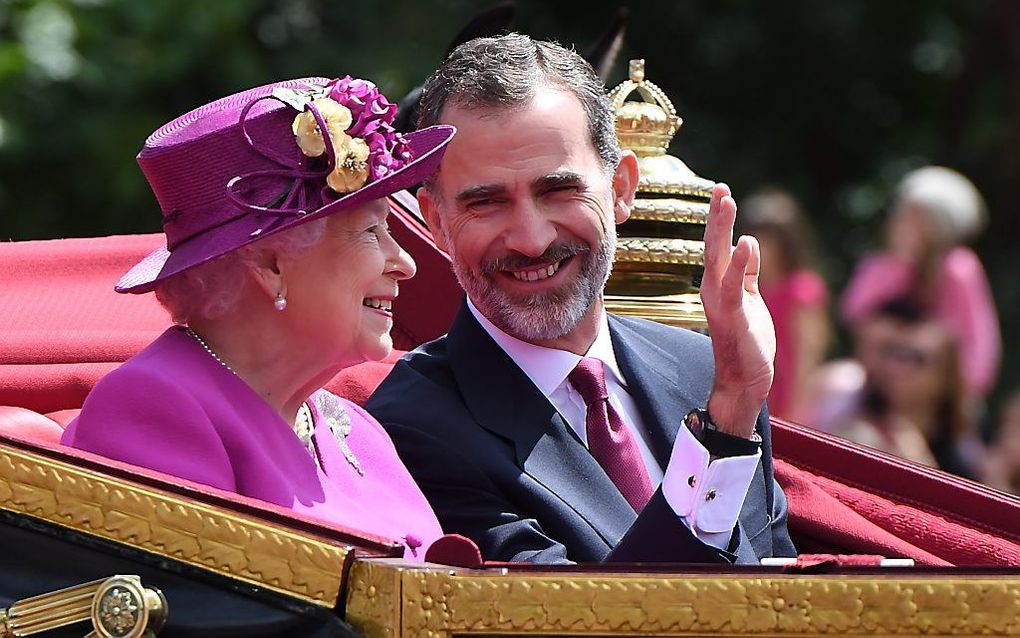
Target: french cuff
x,y
707,494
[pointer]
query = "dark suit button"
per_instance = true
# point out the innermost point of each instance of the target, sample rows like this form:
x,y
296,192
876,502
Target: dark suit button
x,y
691,480
710,495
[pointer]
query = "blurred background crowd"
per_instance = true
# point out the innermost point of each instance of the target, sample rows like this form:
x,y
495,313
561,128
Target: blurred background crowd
x,y
874,148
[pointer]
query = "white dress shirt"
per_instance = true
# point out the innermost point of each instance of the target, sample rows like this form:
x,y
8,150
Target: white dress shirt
x,y
706,494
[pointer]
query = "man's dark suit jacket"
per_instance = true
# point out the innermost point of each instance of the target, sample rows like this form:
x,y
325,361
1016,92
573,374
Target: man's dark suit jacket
x,y
502,467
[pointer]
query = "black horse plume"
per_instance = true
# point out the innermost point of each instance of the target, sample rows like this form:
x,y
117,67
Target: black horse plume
x,y
499,19
493,21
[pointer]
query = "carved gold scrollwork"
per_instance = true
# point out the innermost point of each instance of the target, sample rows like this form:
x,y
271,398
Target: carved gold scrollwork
x,y
659,251
670,210
374,598
439,604
701,189
238,546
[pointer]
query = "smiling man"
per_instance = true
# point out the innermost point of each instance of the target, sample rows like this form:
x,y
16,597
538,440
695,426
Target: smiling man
x,y
541,427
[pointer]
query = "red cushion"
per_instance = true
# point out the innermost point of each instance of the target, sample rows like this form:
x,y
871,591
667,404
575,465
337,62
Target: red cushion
x,y
818,521
456,550
846,498
64,327
358,382
64,417
28,425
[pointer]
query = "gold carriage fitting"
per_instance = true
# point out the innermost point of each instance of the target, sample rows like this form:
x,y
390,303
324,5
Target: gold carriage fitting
x,y
660,251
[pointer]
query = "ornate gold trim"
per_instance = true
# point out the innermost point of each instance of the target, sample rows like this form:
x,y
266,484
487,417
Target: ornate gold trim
x,y
684,310
660,251
124,608
241,547
374,602
670,210
441,603
702,188
119,607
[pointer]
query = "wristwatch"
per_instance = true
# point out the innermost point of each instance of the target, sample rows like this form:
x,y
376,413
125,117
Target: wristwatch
x,y
719,444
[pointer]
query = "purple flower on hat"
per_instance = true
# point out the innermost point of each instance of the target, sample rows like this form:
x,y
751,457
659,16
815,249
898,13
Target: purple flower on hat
x,y
369,108
364,146
388,151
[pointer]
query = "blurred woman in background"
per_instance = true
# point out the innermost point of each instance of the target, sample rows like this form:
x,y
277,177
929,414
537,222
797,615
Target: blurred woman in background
x,y
912,401
935,210
794,293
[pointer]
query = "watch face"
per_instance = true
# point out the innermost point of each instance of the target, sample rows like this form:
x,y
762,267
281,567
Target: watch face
x,y
696,423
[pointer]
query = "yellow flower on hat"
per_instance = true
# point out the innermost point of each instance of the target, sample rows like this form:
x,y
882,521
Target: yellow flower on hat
x,y
306,129
351,171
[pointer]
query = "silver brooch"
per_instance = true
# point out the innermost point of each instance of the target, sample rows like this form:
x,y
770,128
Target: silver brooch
x,y
339,422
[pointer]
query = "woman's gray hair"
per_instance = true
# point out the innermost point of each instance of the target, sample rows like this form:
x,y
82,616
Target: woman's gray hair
x,y
505,71
212,289
947,198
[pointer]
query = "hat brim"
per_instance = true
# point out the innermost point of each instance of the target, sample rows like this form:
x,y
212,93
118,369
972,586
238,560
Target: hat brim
x,y
427,146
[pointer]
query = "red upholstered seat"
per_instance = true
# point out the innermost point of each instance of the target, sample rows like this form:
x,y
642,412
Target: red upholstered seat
x,y
64,328
27,425
847,498
64,417
358,382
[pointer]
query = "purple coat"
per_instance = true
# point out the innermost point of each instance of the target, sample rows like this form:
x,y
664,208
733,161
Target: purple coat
x,y
175,409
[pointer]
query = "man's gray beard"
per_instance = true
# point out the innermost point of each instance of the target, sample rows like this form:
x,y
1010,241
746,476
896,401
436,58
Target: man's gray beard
x,y
547,315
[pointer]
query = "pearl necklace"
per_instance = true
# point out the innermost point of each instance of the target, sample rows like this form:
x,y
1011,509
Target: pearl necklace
x,y
205,346
304,428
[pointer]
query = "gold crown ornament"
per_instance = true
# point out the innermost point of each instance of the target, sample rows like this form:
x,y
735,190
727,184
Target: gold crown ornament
x,y
660,250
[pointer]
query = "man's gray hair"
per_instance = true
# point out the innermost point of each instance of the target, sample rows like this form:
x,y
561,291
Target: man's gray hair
x,y
505,71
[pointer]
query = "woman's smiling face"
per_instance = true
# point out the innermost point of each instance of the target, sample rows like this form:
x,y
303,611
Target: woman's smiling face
x,y
340,292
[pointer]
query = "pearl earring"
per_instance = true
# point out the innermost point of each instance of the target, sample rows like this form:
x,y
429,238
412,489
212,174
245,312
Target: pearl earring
x,y
281,301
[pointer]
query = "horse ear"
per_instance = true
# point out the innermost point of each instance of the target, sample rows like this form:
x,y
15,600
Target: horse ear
x,y
495,20
603,53
492,21
407,111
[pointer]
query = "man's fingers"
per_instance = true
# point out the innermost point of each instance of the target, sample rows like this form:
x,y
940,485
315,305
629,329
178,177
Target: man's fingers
x,y
732,292
753,268
722,212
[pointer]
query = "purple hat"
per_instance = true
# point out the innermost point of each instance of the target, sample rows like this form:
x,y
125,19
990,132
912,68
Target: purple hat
x,y
256,163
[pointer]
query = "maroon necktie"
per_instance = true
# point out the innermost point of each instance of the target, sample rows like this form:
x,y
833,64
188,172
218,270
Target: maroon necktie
x,y
609,440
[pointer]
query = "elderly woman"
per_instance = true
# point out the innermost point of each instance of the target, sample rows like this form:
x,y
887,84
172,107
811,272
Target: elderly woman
x,y
935,211
279,271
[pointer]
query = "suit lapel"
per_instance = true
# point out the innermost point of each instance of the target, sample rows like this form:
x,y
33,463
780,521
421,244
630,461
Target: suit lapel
x,y
503,400
652,380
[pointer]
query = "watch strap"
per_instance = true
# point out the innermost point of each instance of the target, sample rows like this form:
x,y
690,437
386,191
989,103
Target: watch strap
x,y
720,444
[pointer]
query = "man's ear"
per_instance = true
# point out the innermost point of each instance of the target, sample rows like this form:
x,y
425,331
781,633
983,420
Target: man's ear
x,y
268,273
625,182
429,208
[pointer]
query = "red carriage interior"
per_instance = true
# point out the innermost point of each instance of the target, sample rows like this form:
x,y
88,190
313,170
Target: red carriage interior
x,y
63,328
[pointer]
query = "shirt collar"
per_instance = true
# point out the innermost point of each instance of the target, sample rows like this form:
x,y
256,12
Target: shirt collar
x,y
548,367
